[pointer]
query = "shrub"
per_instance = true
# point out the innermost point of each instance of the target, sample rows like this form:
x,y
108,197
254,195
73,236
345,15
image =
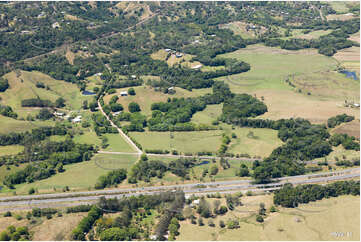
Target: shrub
x,y
131,91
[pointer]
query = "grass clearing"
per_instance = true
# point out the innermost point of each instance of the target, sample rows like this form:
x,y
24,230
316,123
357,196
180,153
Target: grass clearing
x,y
117,143
269,69
80,176
208,115
146,95
11,149
180,141
12,125
240,28
23,87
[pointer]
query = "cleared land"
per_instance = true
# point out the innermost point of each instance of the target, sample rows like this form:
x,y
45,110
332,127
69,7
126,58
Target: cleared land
x,y
146,95
180,141
23,87
117,143
12,125
208,115
80,176
269,69
352,128
11,149
313,221
349,58
240,28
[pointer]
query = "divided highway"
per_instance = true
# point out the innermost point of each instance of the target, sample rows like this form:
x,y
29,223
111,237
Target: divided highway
x,y
76,198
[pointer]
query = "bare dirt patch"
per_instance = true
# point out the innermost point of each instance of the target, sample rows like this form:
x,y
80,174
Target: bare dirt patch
x,y
348,54
342,17
351,128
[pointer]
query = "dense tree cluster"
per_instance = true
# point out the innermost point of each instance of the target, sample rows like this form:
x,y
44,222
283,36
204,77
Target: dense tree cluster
x,y
4,84
102,125
15,234
7,111
347,142
86,223
36,102
144,170
337,120
53,155
111,178
289,196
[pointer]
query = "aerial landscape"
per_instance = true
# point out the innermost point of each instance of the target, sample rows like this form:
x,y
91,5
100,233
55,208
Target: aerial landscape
x,y
180,120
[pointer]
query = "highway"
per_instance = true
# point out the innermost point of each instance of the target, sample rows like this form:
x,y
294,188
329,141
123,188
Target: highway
x,y
75,198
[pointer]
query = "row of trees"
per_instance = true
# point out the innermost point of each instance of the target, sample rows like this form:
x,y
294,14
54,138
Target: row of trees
x,y
338,119
289,196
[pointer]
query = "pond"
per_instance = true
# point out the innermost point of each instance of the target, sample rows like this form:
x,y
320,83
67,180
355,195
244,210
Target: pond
x,y
203,163
350,74
88,93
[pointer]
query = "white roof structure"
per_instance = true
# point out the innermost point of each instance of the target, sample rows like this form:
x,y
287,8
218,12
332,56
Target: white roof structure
x,y
133,76
197,66
77,119
167,50
124,93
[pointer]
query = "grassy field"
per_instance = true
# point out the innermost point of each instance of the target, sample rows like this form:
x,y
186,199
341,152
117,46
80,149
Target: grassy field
x,y
181,141
12,125
352,128
261,143
117,143
298,33
269,69
23,87
339,6
349,58
313,221
81,176
208,115
146,95
239,28
11,149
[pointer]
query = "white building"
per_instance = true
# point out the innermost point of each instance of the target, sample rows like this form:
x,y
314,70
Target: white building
x,y
55,25
77,119
123,93
117,113
197,66
167,50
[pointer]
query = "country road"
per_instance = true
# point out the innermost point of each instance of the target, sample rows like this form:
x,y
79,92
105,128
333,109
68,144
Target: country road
x,y
127,139
11,203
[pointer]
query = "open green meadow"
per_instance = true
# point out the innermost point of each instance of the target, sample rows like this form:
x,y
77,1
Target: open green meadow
x,y
24,87
117,143
270,67
8,125
146,95
208,115
11,149
181,141
80,176
314,221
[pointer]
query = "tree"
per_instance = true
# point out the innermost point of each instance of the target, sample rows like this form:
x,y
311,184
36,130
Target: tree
x,y
60,102
31,191
85,104
214,170
222,210
211,223
222,224
216,204
131,91
133,107
262,209
4,84
44,114
204,208
259,218
200,221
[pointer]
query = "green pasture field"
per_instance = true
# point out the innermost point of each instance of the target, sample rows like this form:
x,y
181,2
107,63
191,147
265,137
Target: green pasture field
x,y
271,66
12,125
146,95
80,176
23,87
117,143
11,149
182,141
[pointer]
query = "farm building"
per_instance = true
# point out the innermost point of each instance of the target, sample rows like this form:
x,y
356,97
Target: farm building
x,y
77,119
117,113
123,93
55,25
167,50
197,66
178,55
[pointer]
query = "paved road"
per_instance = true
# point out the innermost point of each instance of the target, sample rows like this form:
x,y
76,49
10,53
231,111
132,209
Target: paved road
x,y
210,187
27,204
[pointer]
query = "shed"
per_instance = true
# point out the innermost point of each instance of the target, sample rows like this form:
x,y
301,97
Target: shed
x,y
197,66
123,93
